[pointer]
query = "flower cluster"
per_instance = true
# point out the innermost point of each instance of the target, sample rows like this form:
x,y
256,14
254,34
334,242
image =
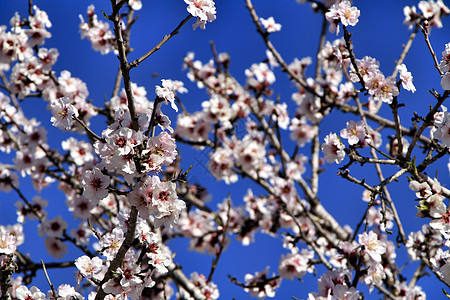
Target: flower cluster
x,y
63,113
129,198
432,11
335,285
261,285
97,32
333,149
204,10
381,88
342,12
444,66
441,128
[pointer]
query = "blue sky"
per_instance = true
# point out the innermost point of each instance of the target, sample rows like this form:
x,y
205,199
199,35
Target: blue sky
x,y
379,33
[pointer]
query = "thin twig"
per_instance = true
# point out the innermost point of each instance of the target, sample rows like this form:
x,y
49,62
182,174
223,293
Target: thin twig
x,y
405,50
180,279
92,134
137,61
54,293
427,122
430,48
398,132
221,243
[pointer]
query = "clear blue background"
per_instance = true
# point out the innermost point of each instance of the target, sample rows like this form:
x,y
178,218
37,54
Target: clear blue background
x,y
379,33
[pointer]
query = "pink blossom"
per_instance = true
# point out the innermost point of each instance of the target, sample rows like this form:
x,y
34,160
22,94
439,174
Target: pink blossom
x,y
411,16
81,207
333,149
167,92
270,25
67,292
48,58
63,112
163,145
259,76
80,151
442,223
207,288
250,154
433,11
142,196
296,167
53,227
38,206
81,234
55,247
423,190
37,36
445,81
7,243
124,140
354,132
386,90
22,293
298,67
195,223
342,12
335,283
166,201
34,135
261,286
443,132
406,78
88,267
204,10
193,127
372,245
111,242
295,265
134,4
95,184
97,32
301,132
160,260
444,65
367,67
218,109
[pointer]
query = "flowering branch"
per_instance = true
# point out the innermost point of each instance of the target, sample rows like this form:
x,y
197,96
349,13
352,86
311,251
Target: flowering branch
x,y
118,259
424,29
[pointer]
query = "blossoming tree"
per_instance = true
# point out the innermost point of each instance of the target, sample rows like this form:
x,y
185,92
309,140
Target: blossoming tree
x,y
131,194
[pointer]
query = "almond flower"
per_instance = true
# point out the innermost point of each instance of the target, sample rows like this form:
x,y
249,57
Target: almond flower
x,y
63,113
373,246
204,10
95,184
444,65
342,13
88,267
7,243
333,149
270,25
445,81
406,78
22,293
167,92
354,132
